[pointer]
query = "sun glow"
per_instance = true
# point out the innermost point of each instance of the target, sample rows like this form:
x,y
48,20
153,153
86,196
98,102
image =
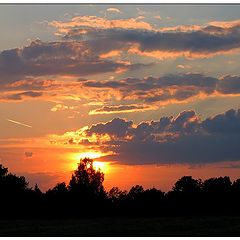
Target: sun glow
x,y
102,166
98,165
90,155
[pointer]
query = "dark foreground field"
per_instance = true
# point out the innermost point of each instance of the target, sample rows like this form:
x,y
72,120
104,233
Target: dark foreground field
x,y
164,226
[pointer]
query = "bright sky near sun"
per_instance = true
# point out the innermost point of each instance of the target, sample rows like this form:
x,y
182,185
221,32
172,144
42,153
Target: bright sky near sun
x,y
151,92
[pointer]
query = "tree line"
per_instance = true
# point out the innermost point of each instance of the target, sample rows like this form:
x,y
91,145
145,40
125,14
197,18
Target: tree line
x,y
85,196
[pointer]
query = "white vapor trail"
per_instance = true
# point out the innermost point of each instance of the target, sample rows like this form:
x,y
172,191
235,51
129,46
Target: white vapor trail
x,y
19,123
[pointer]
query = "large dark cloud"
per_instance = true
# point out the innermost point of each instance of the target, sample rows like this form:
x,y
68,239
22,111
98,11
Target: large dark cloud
x,y
182,139
53,58
190,40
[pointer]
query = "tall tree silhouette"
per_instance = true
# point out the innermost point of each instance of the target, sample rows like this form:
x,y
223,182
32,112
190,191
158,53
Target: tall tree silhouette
x,y
87,179
86,188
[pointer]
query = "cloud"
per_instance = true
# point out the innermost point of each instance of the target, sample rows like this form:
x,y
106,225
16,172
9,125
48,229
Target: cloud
x,y
93,45
167,89
183,66
138,37
61,107
117,127
113,10
50,88
191,44
158,17
182,139
54,58
229,85
121,109
28,154
20,95
127,94
81,24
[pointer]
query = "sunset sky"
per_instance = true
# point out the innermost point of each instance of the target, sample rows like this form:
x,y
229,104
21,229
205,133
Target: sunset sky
x,y
151,92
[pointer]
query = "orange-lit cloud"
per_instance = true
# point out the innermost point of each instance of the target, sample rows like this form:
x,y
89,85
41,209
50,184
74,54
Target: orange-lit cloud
x,y
172,54
225,24
113,53
122,109
99,22
164,90
126,95
61,107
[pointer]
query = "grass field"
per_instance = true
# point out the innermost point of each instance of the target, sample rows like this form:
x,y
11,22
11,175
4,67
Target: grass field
x,y
164,226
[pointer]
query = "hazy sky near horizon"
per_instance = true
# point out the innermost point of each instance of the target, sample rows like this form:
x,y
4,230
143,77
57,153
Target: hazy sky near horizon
x,y
152,91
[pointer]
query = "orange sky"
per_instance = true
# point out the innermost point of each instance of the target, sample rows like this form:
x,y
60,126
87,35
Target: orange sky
x,y
150,92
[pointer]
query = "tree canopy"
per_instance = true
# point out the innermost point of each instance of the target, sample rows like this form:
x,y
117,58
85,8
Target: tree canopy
x,y
85,195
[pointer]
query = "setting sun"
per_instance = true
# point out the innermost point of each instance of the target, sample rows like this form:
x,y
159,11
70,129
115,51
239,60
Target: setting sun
x,y
90,155
103,166
76,157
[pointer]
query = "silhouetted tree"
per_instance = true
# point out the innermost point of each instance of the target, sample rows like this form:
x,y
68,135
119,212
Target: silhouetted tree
x,y
153,201
37,190
13,191
12,184
135,192
153,195
58,200
86,179
115,194
59,190
86,187
217,195
135,200
185,195
3,171
187,185
218,185
236,186
235,195
85,196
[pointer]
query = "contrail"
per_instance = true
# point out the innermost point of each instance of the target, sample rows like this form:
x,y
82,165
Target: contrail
x,y
22,124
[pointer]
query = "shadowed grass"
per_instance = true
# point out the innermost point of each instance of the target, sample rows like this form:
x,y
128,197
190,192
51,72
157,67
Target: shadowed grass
x,y
163,226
